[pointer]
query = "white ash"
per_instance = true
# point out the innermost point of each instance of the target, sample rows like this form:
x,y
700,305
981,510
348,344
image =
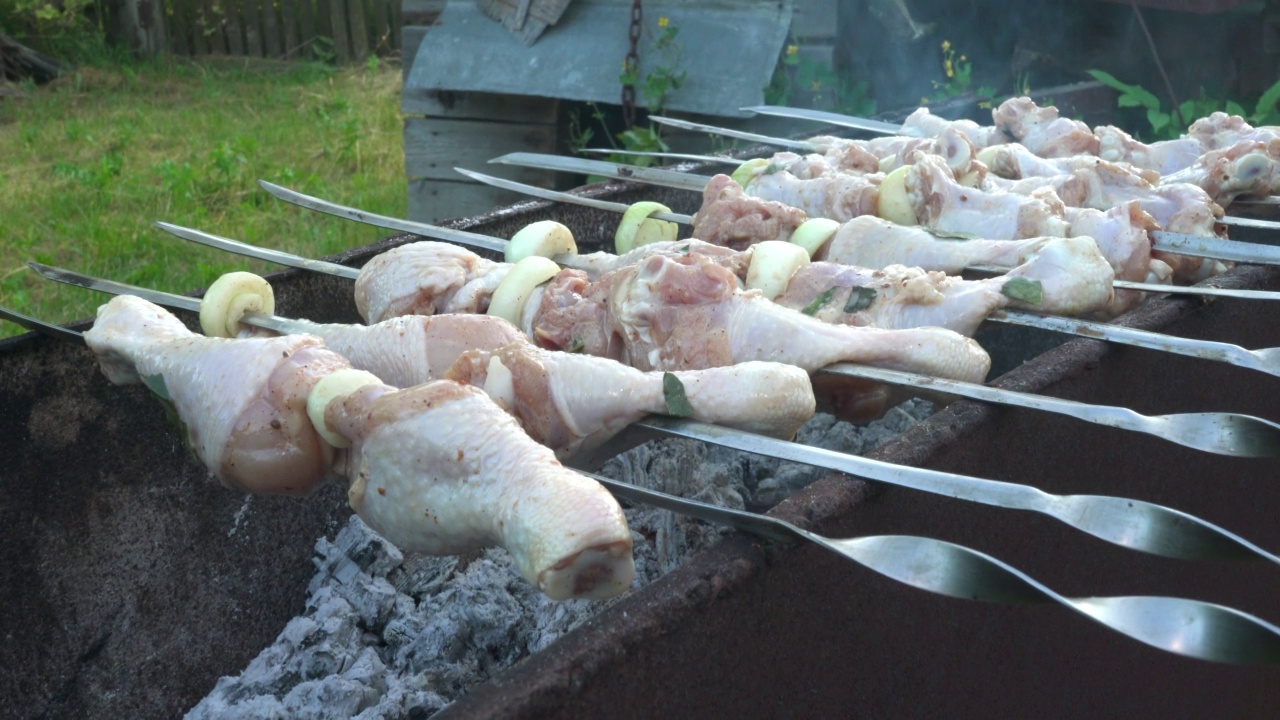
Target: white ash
x,y
389,636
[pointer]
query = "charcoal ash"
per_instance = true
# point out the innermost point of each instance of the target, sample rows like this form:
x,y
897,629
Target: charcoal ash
x,y
388,636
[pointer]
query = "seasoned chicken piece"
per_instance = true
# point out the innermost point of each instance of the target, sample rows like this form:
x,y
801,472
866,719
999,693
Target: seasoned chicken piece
x,y
688,312
731,219
1072,278
1013,161
441,469
244,402
817,191
411,349
574,402
565,401
942,204
1121,235
426,279
922,123
875,243
1165,157
1246,168
892,152
1220,130
1101,185
1042,130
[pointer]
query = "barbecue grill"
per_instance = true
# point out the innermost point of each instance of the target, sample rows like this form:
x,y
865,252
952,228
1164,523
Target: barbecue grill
x,y
135,582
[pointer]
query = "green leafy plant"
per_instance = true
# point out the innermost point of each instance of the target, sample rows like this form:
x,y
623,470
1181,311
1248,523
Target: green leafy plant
x,y
958,78
1164,123
800,81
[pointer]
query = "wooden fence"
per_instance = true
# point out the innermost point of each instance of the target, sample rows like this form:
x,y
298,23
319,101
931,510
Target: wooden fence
x,y
341,30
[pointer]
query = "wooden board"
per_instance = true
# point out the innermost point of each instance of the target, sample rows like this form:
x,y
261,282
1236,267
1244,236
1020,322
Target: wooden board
x,y
410,38
479,106
434,146
432,201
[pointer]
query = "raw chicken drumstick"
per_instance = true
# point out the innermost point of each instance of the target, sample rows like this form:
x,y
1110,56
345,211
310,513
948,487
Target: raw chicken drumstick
x,y
568,402
437,468
618,315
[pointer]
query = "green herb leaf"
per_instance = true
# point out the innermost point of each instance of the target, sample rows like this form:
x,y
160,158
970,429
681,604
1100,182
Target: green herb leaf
x,y
949,235
673,392
575,346
1023,290
860,299
773,168
155,383
813,307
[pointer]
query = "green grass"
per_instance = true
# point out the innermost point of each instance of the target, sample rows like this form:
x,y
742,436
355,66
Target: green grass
x,y
90,161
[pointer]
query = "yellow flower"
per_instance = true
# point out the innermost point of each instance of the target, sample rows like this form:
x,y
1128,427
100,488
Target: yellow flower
x,y
946,45
793,49
963,59
951,72
924,101
663,22
816,86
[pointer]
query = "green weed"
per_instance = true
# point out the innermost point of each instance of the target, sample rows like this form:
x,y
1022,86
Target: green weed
x,y
91,163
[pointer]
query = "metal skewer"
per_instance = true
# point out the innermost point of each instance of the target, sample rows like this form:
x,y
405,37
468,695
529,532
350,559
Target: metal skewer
x,y
1203,630
810,147
1134,524
1186,627
830,118
1210,247
1266,360
1227,434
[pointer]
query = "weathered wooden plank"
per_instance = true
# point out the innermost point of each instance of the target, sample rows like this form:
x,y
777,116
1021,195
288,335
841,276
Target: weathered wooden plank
x,y
420,12
434,201
359,30
434,146
338,30
289,12
198,30
251,17
178,13
478,106
410,40
271,28
381,28
396,18
814,19
231,25
307,29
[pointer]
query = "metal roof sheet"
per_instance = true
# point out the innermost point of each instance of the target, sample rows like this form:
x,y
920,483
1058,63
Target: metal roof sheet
x,y
728,48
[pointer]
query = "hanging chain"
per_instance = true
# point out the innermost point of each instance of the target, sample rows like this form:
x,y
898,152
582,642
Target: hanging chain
x,y
631,66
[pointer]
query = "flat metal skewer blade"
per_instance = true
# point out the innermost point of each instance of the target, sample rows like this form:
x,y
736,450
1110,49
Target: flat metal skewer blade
x,y
1270,200
1191,628
462,237
736,134
830,118
556,195
1266,360
40,326
1220,433
275,256
182,302
1219,248
653,176
1238,293
665,155
1133,524
1254,223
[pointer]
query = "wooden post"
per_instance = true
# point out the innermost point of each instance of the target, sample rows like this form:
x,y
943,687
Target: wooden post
x,y
341,41
271,28
359,30
252,28
140,24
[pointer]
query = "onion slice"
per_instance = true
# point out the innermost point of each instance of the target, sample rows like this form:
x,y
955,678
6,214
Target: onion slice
x,y
513,292
748,170
894,204
773,262
636,227
814,234
331,387
229,298
546,238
